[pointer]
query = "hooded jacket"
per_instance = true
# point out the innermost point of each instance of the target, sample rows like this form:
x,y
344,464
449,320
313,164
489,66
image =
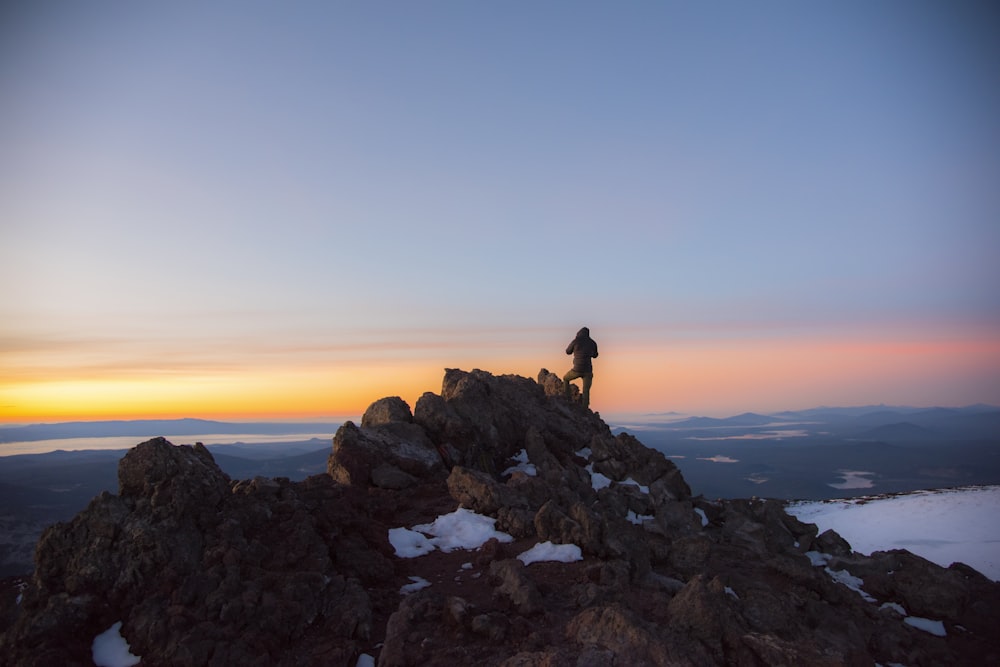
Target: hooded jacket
x,y
583,348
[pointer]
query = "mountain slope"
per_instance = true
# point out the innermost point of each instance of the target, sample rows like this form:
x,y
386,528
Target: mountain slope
x,y
199,569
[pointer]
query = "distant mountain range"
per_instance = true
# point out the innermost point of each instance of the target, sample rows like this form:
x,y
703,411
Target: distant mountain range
x,y
876,415
148,428
806,454
789,455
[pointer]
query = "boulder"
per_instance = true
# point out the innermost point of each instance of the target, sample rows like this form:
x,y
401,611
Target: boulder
x,y
391,447
201,569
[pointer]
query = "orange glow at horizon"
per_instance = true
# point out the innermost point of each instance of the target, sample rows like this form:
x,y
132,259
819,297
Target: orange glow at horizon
x,y
703,377
774,375
306,394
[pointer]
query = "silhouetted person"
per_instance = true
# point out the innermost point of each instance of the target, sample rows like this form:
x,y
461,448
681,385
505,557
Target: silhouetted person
x,y
583,348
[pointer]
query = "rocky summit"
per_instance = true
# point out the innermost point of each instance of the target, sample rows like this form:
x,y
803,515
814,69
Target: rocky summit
x,y
200,569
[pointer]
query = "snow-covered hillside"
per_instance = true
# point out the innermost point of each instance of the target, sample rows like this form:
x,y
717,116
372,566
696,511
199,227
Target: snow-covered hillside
x,y
943,526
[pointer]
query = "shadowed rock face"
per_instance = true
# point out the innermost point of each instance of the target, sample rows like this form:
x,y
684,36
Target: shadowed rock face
x,y
202,569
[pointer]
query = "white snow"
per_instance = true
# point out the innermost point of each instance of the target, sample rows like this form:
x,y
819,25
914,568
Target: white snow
x,y
942,526
409,543
597,480
638,519
564,553
523,465
600,481
111,650
852,582
894,606
704,517
817,558
365,660
961,521
462,529
416,585
927,625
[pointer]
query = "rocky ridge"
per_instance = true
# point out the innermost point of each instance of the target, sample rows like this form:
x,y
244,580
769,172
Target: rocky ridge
x,y
201,569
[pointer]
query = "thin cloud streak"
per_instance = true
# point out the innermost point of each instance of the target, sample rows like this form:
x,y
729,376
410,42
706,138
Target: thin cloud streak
x,y
732,200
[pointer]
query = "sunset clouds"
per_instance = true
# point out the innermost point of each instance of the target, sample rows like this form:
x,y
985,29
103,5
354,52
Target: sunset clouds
x,y
269,211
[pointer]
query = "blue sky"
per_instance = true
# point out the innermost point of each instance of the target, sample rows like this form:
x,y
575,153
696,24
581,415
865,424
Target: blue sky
x,y
225,191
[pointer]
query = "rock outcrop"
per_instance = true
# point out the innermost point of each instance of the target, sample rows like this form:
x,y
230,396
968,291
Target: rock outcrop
x,y
201,569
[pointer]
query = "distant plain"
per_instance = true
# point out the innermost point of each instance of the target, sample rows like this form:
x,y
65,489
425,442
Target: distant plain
x,y
806,455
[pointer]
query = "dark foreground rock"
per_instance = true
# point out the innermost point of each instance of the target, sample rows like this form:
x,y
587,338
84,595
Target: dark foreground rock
x,y
201,569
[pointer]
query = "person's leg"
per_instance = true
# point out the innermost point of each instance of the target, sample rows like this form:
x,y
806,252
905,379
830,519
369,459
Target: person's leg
x,y
569,377
588,379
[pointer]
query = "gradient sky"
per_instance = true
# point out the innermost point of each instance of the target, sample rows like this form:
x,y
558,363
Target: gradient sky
x,y
257,209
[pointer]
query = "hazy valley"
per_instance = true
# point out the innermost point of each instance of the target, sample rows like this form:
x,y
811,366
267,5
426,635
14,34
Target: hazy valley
x,y
807,455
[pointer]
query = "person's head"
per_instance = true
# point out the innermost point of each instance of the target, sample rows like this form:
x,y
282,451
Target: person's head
x,y
583,333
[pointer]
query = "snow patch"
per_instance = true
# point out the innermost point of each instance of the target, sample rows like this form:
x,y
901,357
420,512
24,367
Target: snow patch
x,y
462,529
852,582
936,628
523,465
597,480
409,543
111,650
642,488
546,551
704,517
962,523
896,607
817,558
416,584
638,519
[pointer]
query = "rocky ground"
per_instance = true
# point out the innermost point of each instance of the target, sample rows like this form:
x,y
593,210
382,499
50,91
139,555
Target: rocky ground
x,y
202,569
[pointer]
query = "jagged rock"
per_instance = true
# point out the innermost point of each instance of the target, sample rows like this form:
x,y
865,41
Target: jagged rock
x,y
184,480
477,490
701,611
414,610
624,457
515,587
205,570
388,476
385,445
386,411
619,635
199,572
771,650
830,542
578,526
551,383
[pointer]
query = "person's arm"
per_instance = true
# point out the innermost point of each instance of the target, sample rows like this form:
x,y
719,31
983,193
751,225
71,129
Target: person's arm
x,y
595,350
569,349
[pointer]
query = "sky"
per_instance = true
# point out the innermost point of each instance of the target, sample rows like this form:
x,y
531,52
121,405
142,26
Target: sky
x,y
257,210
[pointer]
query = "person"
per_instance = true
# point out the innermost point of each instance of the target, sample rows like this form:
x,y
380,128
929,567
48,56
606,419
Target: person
x,y
583,348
